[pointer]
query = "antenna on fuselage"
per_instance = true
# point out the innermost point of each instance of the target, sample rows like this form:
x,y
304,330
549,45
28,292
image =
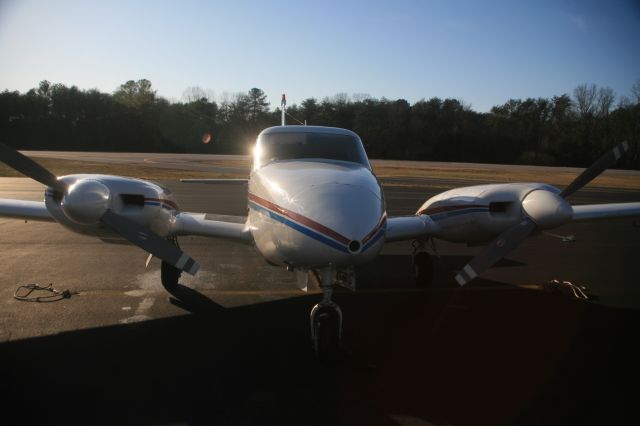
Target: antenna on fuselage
x,y
283,107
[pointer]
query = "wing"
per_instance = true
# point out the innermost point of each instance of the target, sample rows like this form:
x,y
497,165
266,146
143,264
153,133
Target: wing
x,y
28,210
208,225
605,211
402,228
220,226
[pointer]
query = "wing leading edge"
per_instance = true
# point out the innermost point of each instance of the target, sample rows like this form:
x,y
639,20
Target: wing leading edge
x,y
402,228
216,226
28,210
605,211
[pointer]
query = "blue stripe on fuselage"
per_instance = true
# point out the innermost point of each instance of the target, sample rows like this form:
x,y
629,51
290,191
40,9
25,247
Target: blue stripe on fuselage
x,y
374,239
313,234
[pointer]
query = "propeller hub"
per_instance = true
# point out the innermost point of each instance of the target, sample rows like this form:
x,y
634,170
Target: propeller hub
x,y
86,201
547,209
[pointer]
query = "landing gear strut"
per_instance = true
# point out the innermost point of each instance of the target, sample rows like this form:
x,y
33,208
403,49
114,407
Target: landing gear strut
x,y
326,320
169,274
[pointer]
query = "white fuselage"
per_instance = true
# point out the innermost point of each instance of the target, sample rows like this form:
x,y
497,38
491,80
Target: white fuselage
x,y
312,212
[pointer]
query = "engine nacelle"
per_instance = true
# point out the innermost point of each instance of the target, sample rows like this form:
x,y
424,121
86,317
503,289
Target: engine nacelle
x,y
87,197
477,214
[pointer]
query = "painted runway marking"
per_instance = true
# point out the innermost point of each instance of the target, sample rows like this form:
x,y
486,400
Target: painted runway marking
x,y
141,313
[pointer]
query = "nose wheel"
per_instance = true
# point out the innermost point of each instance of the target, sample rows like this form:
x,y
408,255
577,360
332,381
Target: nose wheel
x,y
326,320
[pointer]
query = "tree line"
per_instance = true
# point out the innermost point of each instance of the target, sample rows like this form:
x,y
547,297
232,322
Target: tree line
x,y
563,130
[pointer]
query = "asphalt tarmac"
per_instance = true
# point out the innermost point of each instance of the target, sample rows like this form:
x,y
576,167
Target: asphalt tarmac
x,y
232,347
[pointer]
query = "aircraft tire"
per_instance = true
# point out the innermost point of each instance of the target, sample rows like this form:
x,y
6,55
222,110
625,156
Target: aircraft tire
x,y
327,344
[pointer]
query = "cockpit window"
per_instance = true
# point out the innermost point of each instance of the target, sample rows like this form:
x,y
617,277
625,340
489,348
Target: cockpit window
x,y
294,146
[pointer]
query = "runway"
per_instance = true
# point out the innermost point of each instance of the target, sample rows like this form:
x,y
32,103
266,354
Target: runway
x,y
235,350
240,164
192,162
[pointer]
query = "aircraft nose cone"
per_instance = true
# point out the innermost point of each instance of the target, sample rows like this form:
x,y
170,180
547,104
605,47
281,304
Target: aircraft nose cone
x,y
350,216
349,210
311,215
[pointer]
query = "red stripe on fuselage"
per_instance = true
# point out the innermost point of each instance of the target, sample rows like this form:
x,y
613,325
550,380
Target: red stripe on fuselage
x,y
299,218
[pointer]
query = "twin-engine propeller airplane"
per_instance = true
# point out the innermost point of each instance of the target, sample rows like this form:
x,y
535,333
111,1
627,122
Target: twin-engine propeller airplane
x,y
314,205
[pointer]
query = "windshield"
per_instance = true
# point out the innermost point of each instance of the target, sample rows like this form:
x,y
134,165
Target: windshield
x,y
293,146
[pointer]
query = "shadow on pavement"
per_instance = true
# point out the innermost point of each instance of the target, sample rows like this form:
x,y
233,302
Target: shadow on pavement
x,y
447,356
396,271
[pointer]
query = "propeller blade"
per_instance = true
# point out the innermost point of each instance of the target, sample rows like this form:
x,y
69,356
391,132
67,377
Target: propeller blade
x,y
603,163
495,251
30,168
149,241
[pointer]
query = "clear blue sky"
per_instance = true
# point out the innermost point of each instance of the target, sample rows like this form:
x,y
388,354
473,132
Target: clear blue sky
x,y
483,52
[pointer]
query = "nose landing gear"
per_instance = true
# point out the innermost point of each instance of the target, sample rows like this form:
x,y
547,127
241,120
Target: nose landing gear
x,y
326,320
